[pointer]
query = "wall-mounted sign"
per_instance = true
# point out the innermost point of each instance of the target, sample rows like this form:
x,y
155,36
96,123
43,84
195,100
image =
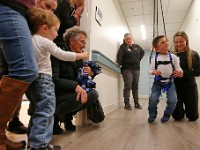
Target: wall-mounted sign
x,y
98,15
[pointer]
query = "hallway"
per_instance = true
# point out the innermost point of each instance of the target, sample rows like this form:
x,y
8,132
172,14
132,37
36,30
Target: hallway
x,y
129,130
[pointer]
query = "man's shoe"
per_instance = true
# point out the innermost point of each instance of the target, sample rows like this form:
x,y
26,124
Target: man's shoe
x,y
69,126
138,106
57,130
128,107
165,118
16,126
49,147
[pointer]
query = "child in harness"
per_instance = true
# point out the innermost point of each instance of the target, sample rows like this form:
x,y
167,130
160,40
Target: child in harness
x,y
165,67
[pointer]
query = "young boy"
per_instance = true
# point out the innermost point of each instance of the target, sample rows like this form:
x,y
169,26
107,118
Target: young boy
x,y
41,93
165,67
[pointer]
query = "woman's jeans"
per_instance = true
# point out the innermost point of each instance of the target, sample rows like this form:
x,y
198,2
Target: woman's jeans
x,y
41,94
154,99
16,45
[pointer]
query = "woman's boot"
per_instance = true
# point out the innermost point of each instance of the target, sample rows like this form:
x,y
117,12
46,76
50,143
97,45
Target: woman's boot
x,y
11,91
11,145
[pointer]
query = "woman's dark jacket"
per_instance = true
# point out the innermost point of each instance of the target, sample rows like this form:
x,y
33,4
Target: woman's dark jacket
x,y
188,79
129,57
65,13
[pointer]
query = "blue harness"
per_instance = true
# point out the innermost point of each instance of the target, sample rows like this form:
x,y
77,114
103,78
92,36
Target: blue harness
x,y
84,79
164,85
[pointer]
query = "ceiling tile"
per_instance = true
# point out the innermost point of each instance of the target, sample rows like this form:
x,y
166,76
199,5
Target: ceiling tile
x,y
137,12
175,17
132,8
179,5
135,20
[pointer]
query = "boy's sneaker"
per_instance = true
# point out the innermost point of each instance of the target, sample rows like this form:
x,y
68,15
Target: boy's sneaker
x,y
128,107
138,106
165,118
49,147
151,119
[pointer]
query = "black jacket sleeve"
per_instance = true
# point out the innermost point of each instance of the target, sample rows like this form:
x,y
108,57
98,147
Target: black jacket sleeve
x,y
61,83
64,13
195,65
120,54
141,53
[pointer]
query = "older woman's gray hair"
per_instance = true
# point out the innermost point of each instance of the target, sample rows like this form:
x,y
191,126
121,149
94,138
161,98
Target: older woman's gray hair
x,y
73,33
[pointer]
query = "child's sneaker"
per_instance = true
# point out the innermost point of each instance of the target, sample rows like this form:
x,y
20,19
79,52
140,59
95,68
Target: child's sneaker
x,y
151,119
49,147
165,118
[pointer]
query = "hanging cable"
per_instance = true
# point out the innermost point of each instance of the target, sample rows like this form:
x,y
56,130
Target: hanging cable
x,y
155,17
155,23
163,17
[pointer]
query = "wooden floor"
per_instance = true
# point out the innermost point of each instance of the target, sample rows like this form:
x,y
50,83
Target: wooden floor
x,y
129,130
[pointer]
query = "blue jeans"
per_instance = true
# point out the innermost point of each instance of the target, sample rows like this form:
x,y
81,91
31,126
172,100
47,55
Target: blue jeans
x,y
41,94
16,45
154,99
131,80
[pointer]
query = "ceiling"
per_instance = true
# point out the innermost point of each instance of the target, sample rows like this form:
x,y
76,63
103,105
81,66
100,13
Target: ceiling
x,y
138,12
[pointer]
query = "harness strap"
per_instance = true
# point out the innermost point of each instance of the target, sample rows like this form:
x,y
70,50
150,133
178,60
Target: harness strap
x,y
164,85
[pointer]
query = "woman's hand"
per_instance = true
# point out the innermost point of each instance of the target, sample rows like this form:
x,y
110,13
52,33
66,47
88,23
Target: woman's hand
x,y
156,72
79,3
81,94
177,74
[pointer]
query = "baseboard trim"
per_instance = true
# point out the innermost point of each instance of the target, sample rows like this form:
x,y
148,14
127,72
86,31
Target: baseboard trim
x,y
108,109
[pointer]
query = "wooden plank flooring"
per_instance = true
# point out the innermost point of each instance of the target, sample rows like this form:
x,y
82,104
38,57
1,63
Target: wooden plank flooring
x,y
129,130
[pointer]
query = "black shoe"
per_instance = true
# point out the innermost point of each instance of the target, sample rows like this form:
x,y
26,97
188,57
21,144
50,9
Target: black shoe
x,y
16,126
128,107
57,130
49,147
138,106
151,119
69,126
165,118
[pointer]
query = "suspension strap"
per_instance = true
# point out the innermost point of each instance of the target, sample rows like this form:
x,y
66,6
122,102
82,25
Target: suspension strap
x,y
164,85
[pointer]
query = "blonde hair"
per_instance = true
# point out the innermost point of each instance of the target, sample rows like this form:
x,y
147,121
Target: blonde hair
x,y
187,48
38,17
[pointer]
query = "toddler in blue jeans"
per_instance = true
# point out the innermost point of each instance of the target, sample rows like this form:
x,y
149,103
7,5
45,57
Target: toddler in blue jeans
x,y
165,66
41,93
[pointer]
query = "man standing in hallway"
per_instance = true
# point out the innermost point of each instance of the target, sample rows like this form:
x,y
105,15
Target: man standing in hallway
x,y
128,59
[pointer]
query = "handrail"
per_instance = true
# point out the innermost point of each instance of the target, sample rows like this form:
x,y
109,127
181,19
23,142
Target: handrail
x,y
104,60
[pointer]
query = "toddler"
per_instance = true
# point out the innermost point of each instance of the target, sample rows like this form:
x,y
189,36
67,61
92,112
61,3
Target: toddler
x,y
163,67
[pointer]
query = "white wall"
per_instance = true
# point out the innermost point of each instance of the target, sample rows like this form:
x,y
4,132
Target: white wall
x,y
191,25
107,38
109,35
